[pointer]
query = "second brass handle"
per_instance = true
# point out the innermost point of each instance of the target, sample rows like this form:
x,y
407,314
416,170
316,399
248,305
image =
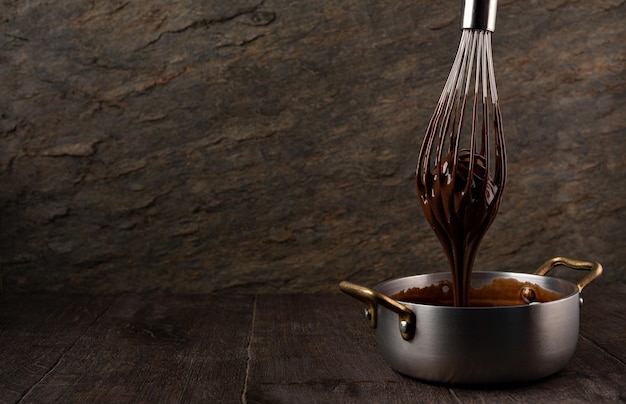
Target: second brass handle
x,y
594,268
371,297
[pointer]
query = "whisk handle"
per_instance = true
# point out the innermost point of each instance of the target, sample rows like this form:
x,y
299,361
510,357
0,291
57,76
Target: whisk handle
x,y
480,14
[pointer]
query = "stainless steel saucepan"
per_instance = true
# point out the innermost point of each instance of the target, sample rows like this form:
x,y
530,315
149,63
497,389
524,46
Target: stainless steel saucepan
x,y
477,345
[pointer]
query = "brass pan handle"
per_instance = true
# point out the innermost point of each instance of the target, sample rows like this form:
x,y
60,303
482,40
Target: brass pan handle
x,y
594,268
371,297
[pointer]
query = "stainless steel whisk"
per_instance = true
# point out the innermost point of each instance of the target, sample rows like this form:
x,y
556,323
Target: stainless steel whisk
x,y
461,168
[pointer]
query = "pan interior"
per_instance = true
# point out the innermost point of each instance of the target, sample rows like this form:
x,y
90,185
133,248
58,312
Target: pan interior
x,y
439,284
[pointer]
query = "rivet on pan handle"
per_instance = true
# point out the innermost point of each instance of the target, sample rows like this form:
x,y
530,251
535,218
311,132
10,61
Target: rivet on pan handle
x,y
406,317
594,268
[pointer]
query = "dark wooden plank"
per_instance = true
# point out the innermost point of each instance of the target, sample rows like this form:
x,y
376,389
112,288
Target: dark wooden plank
x,y
157,348
603,317
318,348
272,348
36,331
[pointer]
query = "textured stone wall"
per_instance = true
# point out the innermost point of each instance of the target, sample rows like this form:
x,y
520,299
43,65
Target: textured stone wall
x,y
262,146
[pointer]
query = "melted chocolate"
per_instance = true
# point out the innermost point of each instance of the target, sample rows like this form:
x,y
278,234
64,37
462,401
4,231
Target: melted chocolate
x,y
460,200
501,292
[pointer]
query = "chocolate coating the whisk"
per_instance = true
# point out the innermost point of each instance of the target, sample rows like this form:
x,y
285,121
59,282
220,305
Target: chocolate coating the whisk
x,y
462,163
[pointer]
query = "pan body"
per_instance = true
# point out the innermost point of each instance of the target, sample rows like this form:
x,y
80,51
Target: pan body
x,y
470,345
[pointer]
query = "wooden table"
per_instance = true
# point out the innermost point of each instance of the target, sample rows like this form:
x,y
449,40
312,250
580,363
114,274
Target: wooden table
x,y
257,349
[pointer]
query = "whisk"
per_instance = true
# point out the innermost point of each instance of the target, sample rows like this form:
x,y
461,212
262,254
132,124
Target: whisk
x,y
461,168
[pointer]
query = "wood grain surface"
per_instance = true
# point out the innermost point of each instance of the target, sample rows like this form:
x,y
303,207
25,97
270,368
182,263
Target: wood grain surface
x,y
257,349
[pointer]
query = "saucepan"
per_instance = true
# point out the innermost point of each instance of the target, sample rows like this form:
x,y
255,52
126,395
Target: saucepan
x,y
478,345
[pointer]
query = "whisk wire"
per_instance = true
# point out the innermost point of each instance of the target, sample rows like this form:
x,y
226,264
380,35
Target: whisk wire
x,y
492,75
473,64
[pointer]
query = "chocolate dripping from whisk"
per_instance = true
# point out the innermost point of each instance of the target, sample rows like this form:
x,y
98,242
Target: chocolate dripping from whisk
x,y
459,196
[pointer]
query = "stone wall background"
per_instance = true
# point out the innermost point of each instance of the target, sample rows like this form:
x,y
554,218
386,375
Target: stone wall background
x,y
269,145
